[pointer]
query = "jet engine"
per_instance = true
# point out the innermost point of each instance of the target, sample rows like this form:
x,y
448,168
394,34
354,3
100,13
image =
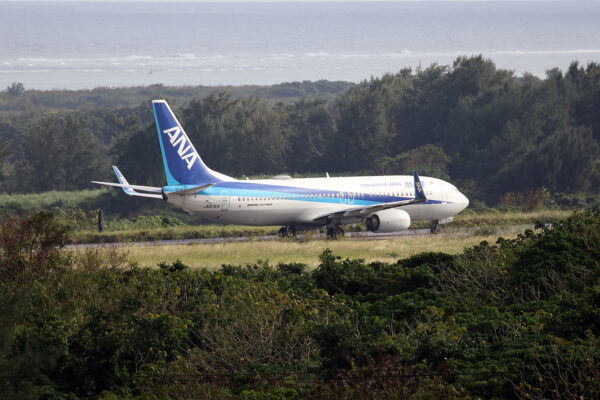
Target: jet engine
x,y
389,220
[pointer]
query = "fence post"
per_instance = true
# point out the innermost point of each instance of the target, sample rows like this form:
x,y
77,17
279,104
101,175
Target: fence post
x,y
100,221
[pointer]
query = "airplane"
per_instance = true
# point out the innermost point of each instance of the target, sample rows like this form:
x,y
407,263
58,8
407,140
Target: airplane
x,y
383,203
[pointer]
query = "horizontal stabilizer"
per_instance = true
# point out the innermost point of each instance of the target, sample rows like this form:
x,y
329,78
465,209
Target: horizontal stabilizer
x,y
132,190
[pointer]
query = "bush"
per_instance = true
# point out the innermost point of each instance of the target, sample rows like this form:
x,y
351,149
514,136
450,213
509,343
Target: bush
x,y
30,247
514,318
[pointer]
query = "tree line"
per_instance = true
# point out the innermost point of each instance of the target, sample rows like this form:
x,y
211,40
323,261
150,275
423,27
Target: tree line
x,y
484,128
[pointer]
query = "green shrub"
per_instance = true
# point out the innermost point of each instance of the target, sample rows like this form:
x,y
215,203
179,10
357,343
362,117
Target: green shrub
x,y
516,318
30,247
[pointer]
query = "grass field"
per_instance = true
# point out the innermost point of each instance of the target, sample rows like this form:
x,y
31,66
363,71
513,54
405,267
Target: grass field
x,y
388,250
499,218
171,233
467,230
485,222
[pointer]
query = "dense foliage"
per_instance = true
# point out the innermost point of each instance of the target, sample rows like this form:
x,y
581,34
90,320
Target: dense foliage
x,y
17,98
515,319
480,126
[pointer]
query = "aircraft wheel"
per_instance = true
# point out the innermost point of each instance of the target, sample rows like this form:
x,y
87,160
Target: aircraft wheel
x,y
334,232
331,233
283,232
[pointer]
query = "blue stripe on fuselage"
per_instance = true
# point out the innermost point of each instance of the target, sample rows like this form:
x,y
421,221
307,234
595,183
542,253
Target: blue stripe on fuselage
x,y
251,189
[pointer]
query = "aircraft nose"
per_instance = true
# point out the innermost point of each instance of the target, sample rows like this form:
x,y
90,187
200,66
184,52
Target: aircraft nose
x,y
464,201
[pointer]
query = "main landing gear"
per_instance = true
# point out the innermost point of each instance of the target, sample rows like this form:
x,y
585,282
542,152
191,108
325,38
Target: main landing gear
x,y
335,232
287,230
435,226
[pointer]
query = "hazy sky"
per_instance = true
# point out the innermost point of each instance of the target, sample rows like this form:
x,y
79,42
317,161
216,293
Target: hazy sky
x,y
273,1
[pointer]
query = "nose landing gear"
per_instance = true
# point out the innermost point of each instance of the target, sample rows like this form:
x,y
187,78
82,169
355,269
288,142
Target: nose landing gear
x,y
335,232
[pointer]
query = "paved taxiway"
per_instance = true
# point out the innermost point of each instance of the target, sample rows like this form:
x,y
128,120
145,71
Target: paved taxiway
x,y
317,236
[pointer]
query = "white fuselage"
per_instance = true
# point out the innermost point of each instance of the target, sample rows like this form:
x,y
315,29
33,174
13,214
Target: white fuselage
x,y
304,201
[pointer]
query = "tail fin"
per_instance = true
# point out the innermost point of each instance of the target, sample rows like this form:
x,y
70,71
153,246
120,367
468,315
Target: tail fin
x,y
183,165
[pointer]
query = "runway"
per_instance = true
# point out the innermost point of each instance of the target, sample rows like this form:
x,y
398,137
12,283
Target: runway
x,y
301,236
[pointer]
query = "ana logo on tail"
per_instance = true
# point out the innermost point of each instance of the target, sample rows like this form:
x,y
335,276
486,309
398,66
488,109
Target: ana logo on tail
x,y
176,139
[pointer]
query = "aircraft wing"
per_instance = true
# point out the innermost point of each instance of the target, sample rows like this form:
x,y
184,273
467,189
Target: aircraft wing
x,y
363,212
132,190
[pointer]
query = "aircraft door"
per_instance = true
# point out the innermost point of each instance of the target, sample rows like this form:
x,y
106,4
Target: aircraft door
x,y
224,200
342,197
350,198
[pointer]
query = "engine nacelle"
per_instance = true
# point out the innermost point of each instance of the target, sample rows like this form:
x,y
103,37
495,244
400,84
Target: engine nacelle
x,y
389,220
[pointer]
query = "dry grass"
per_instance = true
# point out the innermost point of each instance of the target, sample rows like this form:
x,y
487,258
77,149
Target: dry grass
x,y
467,230
387,250
489,221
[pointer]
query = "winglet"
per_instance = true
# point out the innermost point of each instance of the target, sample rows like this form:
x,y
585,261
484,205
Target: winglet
x,y
127,189
419,193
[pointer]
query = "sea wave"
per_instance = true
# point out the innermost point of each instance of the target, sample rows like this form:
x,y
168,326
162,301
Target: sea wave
x,y
192,60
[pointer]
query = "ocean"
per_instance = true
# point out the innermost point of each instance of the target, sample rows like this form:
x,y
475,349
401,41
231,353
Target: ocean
x,y
76,45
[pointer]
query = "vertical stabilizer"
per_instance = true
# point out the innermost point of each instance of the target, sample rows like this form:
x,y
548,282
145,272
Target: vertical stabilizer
x,y
183,165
